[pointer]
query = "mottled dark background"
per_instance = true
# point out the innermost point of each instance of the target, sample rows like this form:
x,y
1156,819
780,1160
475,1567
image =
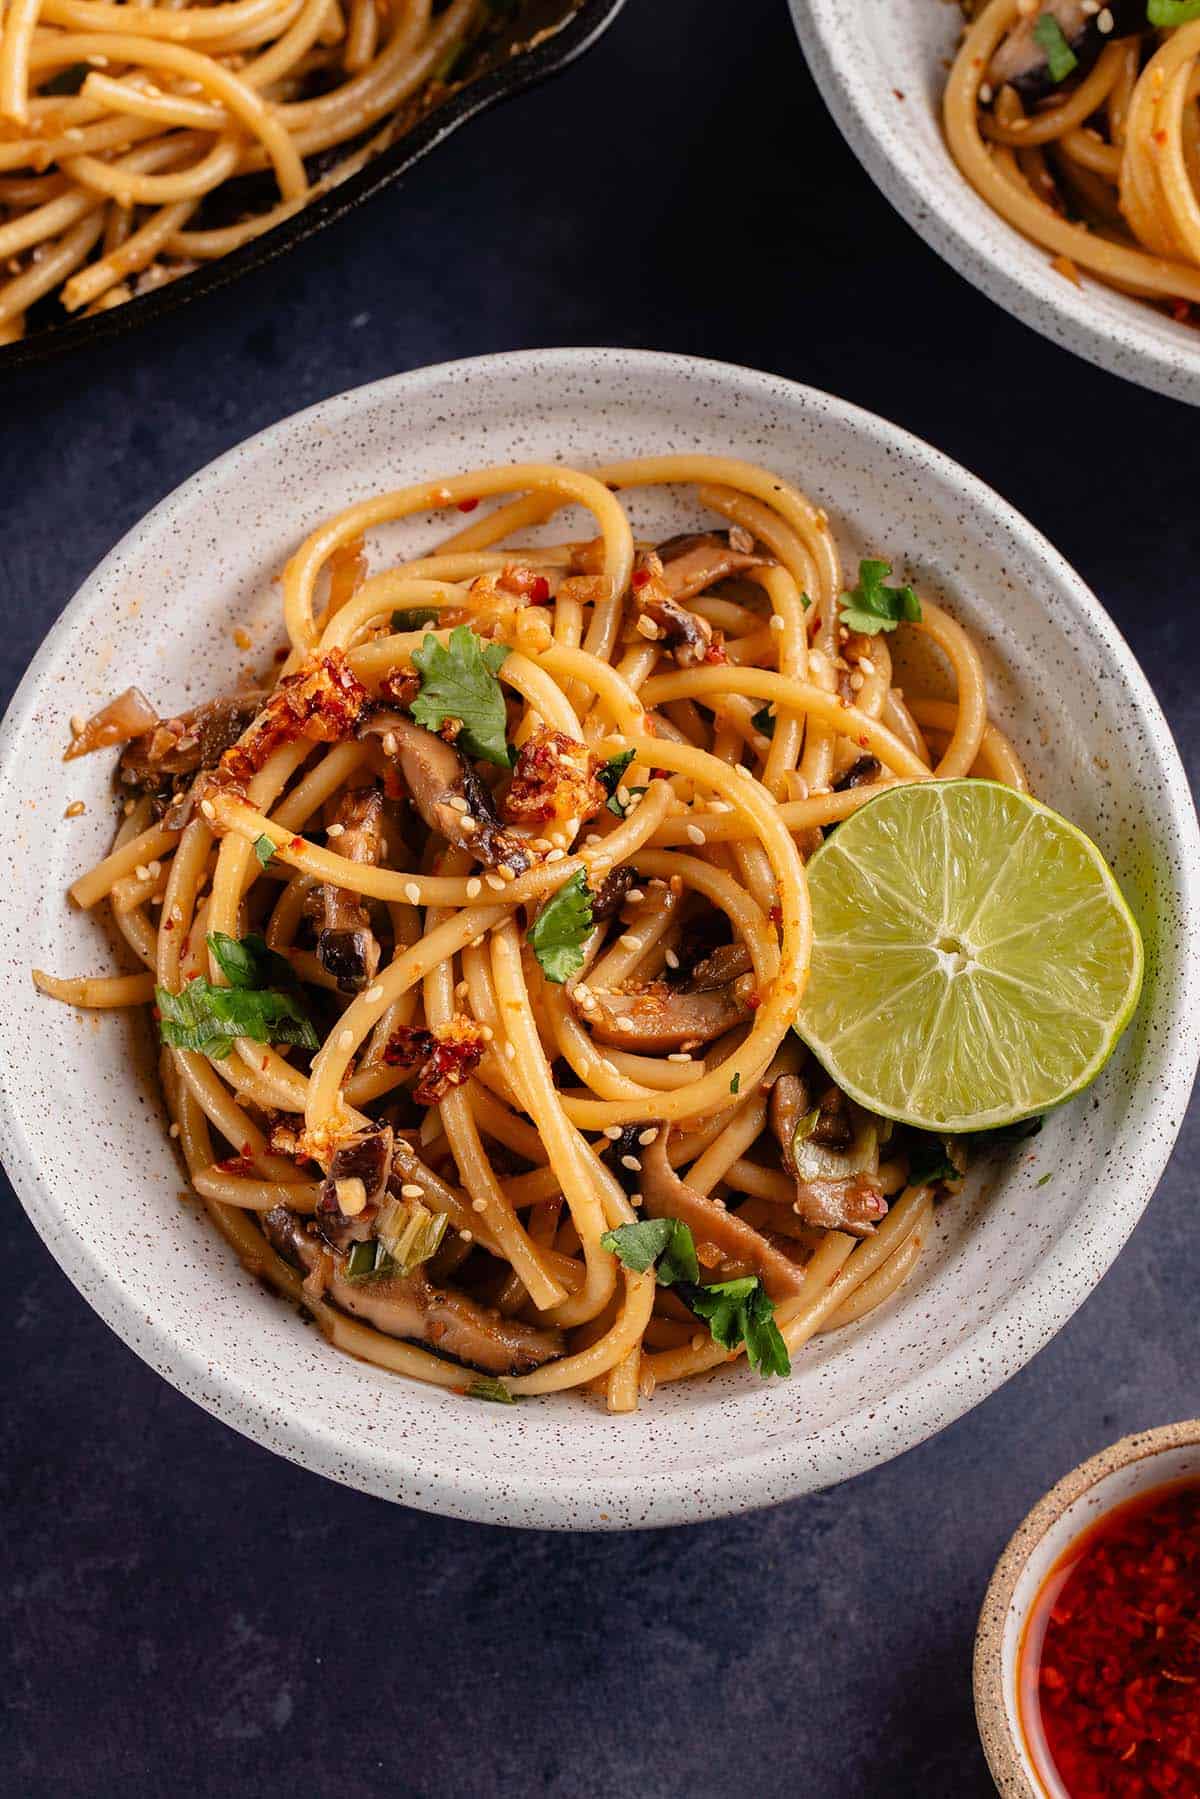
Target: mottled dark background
x,y
184,1614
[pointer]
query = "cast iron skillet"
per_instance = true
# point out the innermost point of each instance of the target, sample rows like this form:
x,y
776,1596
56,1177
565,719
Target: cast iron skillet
x,y
505,61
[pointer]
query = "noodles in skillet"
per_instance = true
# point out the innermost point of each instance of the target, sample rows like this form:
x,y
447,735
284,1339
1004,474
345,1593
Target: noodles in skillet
x,y
120,123
476,936
1078,122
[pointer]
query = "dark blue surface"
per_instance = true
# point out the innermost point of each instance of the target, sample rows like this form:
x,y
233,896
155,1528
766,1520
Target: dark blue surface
x,y
184,1614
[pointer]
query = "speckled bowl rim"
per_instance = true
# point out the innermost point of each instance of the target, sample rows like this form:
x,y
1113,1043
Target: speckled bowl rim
x,y
1005,1756
771,1470
956,223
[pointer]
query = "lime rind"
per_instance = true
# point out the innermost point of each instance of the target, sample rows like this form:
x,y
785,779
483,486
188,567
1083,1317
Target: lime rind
x,y
912,1027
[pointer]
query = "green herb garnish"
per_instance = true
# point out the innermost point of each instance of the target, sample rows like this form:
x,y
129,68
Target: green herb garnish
x,y
264,849
558,933
736,1082
1041,1181
210,1019
740,1312
663,1240
367,1261
609,778
1060,58
413,618
929,1160
1170,12
735,1311
871,607
487,1388
458,682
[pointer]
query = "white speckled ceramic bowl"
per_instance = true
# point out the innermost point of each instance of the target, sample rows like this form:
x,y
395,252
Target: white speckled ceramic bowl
x,y
1021,1765
80,1128
882,68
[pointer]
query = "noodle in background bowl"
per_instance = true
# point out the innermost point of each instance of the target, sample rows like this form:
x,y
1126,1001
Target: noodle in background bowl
x,y
1009,1261
860,56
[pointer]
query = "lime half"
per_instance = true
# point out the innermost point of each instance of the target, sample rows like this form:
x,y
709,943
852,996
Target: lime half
x,y
974,962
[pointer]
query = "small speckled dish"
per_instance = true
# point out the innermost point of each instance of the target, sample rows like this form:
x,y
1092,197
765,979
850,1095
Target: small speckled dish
x,y
882,69
81,1131
1131,1467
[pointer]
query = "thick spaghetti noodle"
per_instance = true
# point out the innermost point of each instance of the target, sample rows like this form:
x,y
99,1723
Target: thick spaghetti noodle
x,y
120,123
1079,124
478,934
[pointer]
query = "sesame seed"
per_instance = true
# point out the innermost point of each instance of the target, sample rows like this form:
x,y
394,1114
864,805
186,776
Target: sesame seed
x,y
142,872
510,1050
76,722
625,1024
477,942
985,87
719,806
635,896
556,855
697,1341
743,770
592,838
612,1132
345,1039
335,830
208,809
495,883
777,623
544,843
174,1131
647,1137
679,1055
474,887
466,1236
468,825
508,874
632,1163
410,1190
647,627
373,994
1104,22
479,1205
696,835
412,893
154,869
389,743
622,795
629,941
672,960
461,989
457,803
867,666
857,682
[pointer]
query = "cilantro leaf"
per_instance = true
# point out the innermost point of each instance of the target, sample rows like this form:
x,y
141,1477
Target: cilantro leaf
x,y
871,607
741,1312
558,933
609,778
1042,1179
246,962
1060,58
620,811
264,849
736,1083
458,681
209,1019
413,617
488,1388
667,1241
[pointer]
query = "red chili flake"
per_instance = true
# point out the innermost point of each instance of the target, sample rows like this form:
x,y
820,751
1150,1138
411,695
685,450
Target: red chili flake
x,y
297,843
754,1001
776,915
168,924
716,650
539,593
467,505
239,1165
407,1046
1181,312
640,577
1110,1657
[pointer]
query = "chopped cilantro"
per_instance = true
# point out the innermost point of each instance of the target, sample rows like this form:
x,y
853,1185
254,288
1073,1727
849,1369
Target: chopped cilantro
x,y
1060,58
1041,1181
367,1261
264,849
413,618
666,1241
929,1160
609,778
458,682
558,933
740,1312
871,607
247,962
736,1082
488,1388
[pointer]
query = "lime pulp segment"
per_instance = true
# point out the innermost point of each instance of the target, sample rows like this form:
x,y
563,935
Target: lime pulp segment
x,y
974,961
